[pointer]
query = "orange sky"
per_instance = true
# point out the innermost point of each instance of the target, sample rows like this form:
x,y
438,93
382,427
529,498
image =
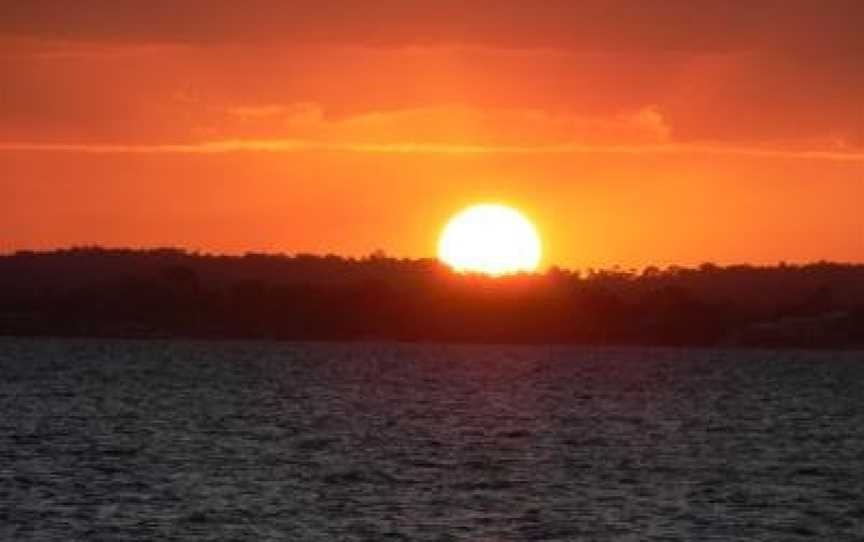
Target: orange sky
x,y
633,133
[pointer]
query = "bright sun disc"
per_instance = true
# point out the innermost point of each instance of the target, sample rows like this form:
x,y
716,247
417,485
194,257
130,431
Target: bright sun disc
x,y
491,239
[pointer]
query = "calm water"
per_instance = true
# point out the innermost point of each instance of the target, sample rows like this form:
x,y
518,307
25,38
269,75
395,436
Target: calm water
x,y
229,441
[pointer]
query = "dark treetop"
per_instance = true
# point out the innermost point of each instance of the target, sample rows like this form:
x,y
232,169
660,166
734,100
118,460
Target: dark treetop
x,y
166,292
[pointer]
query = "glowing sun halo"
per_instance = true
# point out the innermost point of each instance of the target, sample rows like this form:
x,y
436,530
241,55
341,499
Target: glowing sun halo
x,y
491,239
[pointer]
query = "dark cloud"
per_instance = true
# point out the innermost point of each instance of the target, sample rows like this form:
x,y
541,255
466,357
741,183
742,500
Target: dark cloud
x,y
762,71
805,27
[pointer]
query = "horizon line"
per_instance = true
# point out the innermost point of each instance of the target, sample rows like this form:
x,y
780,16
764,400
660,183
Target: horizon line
x,y
378,254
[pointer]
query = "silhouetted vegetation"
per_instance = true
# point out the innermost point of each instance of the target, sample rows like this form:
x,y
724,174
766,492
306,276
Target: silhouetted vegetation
x,y
168,293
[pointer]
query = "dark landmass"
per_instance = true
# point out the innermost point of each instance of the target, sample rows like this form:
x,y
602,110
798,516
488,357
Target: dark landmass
x,y
171,293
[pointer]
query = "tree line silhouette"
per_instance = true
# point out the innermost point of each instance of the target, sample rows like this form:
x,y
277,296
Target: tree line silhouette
x,y
172,293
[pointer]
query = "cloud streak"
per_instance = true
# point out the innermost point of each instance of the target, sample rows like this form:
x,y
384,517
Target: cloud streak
x,y
429,148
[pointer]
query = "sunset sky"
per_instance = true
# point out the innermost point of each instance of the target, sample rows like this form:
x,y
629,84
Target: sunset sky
x,y
632,133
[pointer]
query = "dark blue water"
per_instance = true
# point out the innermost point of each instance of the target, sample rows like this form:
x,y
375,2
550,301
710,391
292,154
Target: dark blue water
x,y
105,440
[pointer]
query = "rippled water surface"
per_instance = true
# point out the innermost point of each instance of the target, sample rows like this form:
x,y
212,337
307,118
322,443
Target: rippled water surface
x,y
104,440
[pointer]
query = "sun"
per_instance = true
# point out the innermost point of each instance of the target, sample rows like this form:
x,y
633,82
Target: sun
x,y
492,239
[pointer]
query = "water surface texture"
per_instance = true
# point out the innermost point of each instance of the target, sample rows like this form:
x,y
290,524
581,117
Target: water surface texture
x,y
115,440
